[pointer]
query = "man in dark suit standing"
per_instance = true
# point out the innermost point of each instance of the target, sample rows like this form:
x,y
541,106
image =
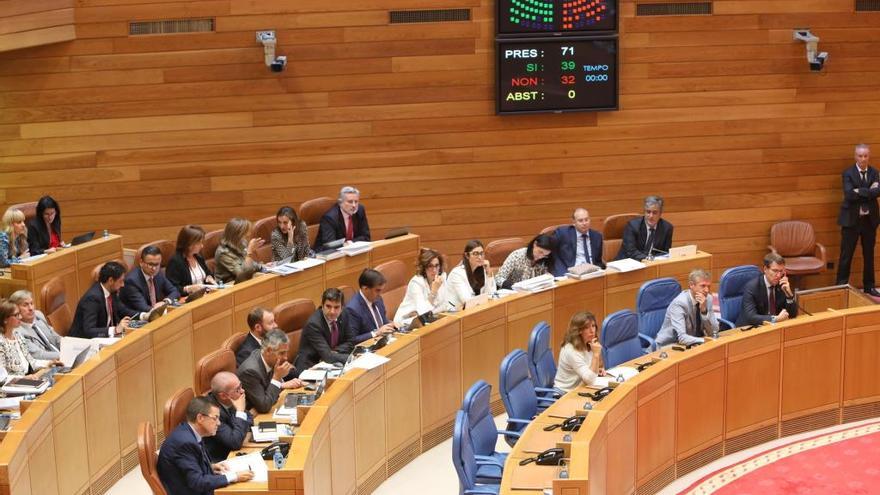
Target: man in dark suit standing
x,y
646,236
859,218
235,422
99,312
346,220
366,310
260,321
768,297
184,467
327,336
262,373
577,244
146,287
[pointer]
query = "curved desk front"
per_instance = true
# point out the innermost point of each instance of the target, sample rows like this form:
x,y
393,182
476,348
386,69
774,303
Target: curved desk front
x,y
746,388
79,437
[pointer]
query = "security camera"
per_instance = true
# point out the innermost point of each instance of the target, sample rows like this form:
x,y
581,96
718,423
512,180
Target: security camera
x,y
267,39
278,64
815,59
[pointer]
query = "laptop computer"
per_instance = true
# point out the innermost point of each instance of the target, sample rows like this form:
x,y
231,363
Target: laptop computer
x,y
88,236
306,399
196,295
80,359
398,232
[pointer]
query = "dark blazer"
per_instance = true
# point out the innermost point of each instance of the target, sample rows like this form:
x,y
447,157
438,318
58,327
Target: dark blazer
x,y
314,343
230,433
566,248
755,308
90,319
853,202
635,235
135,294
261,394
360,319
184,467
177,271
38,236
332,226
247,347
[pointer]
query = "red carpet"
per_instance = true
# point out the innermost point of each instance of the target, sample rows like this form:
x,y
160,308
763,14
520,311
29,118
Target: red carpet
x,y
845,462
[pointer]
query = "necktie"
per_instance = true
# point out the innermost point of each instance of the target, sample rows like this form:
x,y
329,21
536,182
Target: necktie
x,y
43,338
334,334
649,242
864,174
698,327
772,298
152,287
349,229
110,310
205,457
587,254
377,316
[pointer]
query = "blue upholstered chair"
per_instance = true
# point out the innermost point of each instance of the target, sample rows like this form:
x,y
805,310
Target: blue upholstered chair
x,y
483,433
464,460
730,291
518,393
651,302
542,366
620,338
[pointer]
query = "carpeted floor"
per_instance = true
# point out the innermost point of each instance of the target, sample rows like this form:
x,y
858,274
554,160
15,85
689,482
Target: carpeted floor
x,y
843,462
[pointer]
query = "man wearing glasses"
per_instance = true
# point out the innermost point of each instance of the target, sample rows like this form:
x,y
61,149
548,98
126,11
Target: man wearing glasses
x,y
235,422
184,466
647,236
768,298
146,287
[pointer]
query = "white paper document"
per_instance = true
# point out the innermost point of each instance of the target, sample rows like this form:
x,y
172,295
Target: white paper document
x,y
280,430
368,361
612,374
625,265
356,248
250,462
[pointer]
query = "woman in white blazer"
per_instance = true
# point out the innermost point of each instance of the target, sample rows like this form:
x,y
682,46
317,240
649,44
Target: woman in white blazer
x,y
472,277
426,291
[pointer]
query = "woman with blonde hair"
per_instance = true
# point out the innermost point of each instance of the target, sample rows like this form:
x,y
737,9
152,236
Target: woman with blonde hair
x,y
580,359
14,354
13,238
236,252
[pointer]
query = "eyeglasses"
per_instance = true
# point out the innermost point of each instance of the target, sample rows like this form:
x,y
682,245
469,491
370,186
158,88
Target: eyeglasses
x,y
215,418
477,254
434,265
153,265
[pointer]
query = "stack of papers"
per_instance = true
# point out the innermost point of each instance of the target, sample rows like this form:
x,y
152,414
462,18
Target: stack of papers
x,y
584,271
535,284
356,248
296,266
625,265
283,413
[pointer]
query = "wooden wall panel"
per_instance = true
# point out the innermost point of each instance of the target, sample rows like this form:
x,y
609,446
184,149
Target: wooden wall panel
x,y
719,114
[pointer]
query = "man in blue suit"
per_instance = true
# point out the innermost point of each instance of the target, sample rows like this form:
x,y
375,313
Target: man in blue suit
x,y
646,236
577,244
366,310
146,286
184,467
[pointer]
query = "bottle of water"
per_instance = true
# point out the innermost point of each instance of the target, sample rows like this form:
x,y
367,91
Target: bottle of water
x,y
279,459
715,333
106,233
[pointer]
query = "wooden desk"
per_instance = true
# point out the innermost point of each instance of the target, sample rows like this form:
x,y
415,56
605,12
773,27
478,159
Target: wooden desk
x,y
73,264
80,435
722,397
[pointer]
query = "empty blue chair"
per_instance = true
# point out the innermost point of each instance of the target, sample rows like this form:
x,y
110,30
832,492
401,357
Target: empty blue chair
x,y
620,338
483,433
464,461
730,291
651,302
542,366
518,393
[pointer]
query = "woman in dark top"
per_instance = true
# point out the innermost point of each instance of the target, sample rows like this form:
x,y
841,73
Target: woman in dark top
x,y
44,230
187,269
290,237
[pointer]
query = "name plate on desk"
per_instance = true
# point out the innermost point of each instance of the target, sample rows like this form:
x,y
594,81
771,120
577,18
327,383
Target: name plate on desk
x,y
682,251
